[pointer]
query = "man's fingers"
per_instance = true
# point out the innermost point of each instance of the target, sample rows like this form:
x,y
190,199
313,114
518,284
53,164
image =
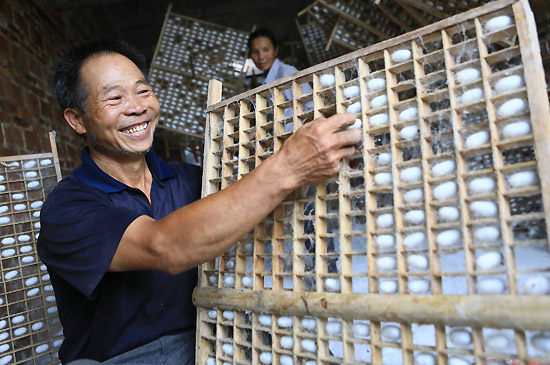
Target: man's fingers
x,y
349,137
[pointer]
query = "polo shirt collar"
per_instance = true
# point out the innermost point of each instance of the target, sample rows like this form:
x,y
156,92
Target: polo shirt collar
x,y
89,173
273,71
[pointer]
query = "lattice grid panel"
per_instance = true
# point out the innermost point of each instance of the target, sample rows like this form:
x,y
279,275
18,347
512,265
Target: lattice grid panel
x,y
30,331
431,244
315,39
189,53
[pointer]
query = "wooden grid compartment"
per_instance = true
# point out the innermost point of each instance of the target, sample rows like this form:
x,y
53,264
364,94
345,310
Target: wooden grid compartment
x,y
189,53
315,37
433,236
30,331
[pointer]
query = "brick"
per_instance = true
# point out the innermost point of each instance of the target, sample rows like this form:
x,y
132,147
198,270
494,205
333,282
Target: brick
x,y
32,142
4,50
12,134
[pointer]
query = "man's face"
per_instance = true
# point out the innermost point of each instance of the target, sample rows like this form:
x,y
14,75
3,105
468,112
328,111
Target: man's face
x,y
121,110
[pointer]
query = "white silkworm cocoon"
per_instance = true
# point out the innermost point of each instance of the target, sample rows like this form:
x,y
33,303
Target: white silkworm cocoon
x,y
264,320
33,184
230,265
3,323
401,55
537,285
384,159
418,261
458,361
391,332
498,22
415,216
9,252
247,281
383,178
2,178
488,260
497,342
327,80
491,286
25,249
468,74
418,286
29,164
512,107
18,207
287,342
414,240
376,84
449,237
388,286
360,330
33,292
46,277
379,101
37,326
11,274
424,358
449,214
471,95
4,220
213,279
378,120
5,347
334,328
30,174
37,204
332,285
4,209
227,348
509,83
522,179
5,359
385,241
211,361
351,92
541,341
409,132
484,208
24,238
488,233
31,281
414,196
8,240
286,360
229,281
309,345
309,324
443,168
482,185
229,315
354,108
384,220
36,214
212,314
17,332
27,259
18,196
408,113
358,124
2,188
249,248
411,174
477,139
384,263
266,357
285,322
460,337
447,190
17,319
516,129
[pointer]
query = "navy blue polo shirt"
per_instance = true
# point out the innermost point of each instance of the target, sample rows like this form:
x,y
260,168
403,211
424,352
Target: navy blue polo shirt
x,y
82,221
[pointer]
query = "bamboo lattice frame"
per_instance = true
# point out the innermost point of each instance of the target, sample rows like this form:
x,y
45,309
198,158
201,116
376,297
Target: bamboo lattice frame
x,y
330,233
30,329
189,53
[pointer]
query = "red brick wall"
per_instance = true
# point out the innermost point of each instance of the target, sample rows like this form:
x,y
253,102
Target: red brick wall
x,y
31,37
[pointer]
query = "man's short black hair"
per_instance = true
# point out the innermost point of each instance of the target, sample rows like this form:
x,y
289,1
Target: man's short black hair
x,y
262,32
68,89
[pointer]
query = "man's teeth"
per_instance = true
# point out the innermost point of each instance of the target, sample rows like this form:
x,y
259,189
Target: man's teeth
x,y
136,129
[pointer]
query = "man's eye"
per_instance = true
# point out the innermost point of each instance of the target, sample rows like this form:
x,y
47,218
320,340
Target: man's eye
x,y
143,91
116,97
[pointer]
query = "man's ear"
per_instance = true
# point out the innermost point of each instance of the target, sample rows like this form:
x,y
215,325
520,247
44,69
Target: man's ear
x,y
75,119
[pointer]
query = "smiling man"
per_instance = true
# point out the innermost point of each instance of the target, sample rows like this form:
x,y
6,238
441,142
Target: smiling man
x,y
122,235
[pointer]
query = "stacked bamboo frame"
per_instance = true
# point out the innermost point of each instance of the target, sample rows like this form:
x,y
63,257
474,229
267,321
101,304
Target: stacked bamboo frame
x,y
189,53
30,331
307,284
